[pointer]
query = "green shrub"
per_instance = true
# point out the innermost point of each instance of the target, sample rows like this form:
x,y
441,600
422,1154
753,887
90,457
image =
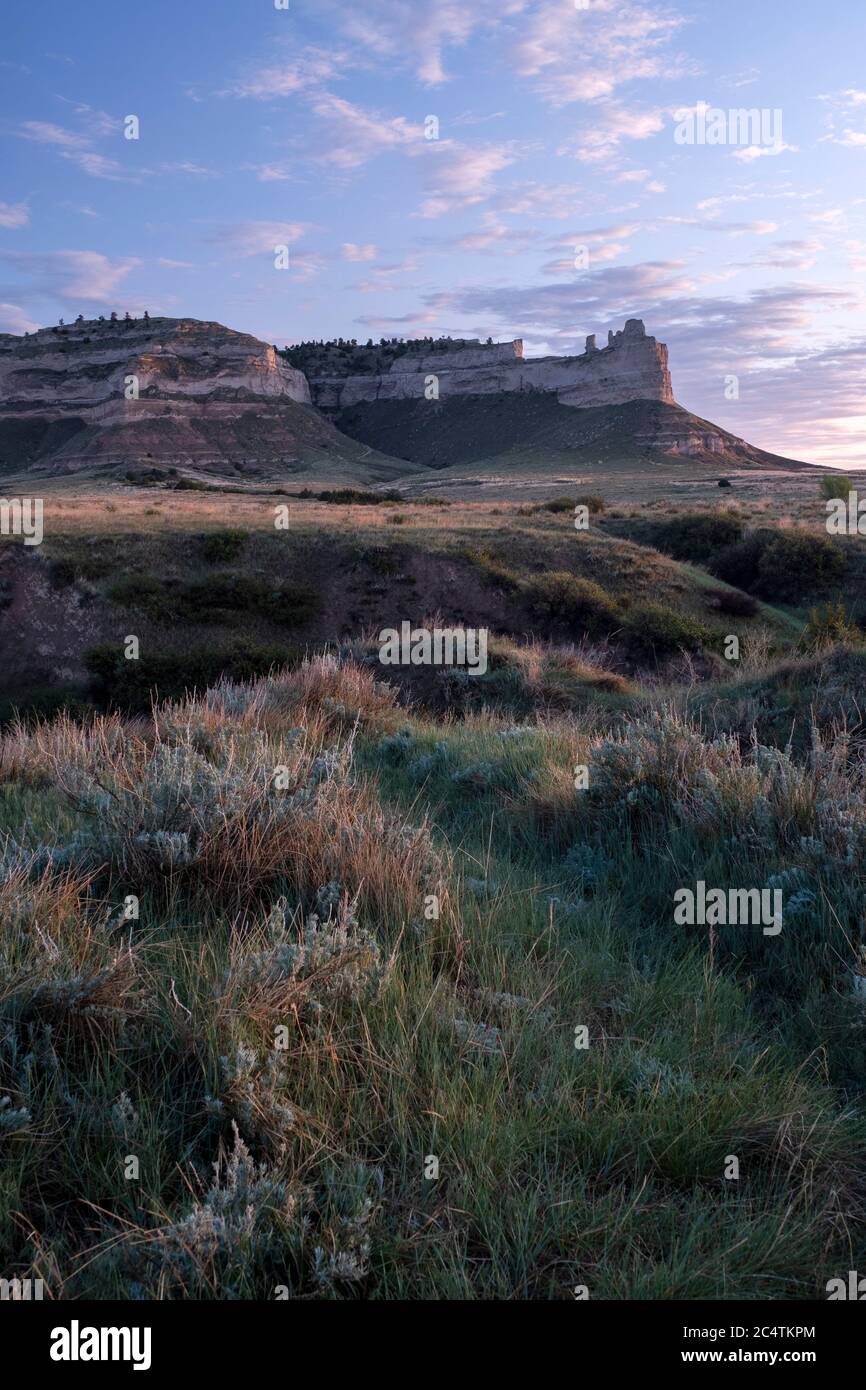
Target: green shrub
x,y
835,486
64,571
32,703
353,496
592,501
219,599
782,566
652,629
563,597
737,564
380,559
221,546
61,573
142,591
797,564
192,485
695,535
492,568
132,686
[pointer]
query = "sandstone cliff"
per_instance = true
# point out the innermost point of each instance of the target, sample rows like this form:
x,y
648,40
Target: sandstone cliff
x,y
633,366
160,391
492,407
111,396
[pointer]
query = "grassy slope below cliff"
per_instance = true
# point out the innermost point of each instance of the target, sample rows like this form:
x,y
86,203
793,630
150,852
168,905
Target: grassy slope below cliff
x,y
531,432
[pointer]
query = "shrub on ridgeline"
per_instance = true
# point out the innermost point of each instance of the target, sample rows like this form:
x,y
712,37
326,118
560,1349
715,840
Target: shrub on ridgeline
x,y
578,603
697,535
593,502
221,546
654,630
788,566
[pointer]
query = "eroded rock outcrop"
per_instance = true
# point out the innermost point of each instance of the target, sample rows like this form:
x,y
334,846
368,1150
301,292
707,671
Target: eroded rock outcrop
x,y
160,390
633,366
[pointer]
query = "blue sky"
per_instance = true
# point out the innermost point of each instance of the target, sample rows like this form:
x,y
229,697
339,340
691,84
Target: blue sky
x,y
556,201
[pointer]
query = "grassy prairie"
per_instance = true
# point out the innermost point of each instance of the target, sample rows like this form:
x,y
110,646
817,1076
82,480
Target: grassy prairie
x,y
360,990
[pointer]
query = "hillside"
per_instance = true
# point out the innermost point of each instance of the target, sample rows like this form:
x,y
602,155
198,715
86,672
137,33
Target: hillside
x,y
163,398
535,432
105,396
200,576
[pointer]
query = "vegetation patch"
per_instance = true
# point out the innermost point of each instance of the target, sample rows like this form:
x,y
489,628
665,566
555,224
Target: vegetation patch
x,y
698,535
219,547
578,603
354,497
134,685
782,566
223,598
653,630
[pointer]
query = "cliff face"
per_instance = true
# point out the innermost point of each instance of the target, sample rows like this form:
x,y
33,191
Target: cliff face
x,y
164,390
116,396
633,366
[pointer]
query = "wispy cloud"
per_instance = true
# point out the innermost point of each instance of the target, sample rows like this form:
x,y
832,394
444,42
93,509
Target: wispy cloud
x,y
843,110
418,36
14,319
385,278
607,127
47,133
77,146
603,244
74,277
457,175
493,231
253,238
576,55
14,215
643,177
351,252
749,153
313,67
354,135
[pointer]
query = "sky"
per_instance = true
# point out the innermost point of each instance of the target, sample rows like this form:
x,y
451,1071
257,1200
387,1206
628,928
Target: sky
x,y
542,169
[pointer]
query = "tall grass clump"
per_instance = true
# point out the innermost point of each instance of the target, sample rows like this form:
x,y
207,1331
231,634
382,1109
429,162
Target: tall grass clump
x,y
211,805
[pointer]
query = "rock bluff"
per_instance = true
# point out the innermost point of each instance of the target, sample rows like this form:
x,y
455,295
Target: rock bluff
x,y
632,366
132,389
